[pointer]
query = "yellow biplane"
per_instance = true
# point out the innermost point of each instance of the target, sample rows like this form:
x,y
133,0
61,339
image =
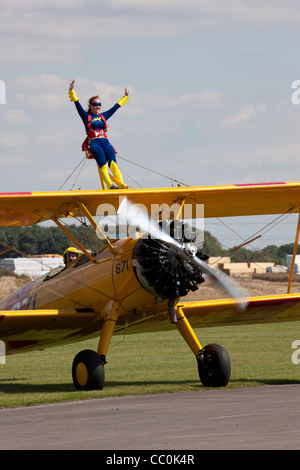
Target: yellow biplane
x,y
137,282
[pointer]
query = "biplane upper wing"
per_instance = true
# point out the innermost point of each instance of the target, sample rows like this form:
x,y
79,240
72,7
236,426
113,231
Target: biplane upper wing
x,y
28,208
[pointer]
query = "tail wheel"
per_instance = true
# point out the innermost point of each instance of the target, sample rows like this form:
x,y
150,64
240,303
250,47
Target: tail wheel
x,y
88,371
214,366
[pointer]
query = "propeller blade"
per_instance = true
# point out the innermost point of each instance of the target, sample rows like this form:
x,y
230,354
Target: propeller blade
x,y
223,281
138,218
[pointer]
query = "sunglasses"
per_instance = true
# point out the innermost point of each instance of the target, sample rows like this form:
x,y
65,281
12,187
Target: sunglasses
x,y
95,104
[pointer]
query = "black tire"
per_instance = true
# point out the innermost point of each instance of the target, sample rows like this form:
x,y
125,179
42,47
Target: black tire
x,y
214,366
88,371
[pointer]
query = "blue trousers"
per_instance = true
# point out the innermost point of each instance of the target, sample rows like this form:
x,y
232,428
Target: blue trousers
x,y
103,151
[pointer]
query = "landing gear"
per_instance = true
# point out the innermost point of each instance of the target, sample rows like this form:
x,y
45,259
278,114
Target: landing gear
x,y
88,370
214,366
88,365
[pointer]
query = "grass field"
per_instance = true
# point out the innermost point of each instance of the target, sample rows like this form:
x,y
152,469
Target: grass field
x,y
153,363
156,362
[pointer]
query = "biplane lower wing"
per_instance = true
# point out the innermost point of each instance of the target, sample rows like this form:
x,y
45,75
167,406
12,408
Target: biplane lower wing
x,y
224,312
23,209
263,309
35,329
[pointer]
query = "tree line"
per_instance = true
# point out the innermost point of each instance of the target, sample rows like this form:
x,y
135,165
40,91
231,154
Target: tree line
x,y
273,253
41,240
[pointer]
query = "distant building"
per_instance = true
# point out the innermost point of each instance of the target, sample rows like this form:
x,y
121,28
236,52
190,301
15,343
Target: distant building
x,y
289,259
32,267
239,269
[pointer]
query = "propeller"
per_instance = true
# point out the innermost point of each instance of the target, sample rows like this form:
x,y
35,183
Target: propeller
x,y
136,217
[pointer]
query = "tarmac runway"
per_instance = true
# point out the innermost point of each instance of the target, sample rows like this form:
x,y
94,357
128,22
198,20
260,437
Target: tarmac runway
x,y
265,417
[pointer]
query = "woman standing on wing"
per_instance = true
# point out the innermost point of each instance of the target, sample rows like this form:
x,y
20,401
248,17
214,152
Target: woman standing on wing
x,y
96,127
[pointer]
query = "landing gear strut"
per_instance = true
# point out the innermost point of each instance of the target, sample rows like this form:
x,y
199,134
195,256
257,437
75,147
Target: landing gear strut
x,y
214,366
88,365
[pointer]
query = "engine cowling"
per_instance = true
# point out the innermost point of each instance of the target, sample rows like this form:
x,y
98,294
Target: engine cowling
x,y
161,270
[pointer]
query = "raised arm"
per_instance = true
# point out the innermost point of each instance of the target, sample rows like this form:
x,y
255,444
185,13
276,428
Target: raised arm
x,y
125,97
72,94
73,98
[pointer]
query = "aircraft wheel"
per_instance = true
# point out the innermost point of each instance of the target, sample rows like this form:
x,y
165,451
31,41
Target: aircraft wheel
x,y
214,366
88,371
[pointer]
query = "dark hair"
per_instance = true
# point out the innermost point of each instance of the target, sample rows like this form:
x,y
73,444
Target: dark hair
x,y
91,101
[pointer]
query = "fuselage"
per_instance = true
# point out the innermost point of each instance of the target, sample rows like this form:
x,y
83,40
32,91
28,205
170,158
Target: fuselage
x,y
135,277
84,285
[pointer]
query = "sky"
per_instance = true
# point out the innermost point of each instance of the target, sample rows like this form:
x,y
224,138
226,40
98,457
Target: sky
x,y
211,95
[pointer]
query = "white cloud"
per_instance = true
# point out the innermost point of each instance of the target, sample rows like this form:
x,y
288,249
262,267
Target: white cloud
x,y
54,31
208,99
41,92
16,117
20,5
69,25
244,115
108,93
44,101
30,83
65,21
212,13
17,140
205,98
20,49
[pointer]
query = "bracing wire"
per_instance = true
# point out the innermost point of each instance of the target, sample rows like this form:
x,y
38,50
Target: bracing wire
x,y
82,162
262,231
153,171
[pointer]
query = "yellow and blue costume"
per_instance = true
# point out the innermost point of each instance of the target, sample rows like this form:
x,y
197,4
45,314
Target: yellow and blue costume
x,y
102,150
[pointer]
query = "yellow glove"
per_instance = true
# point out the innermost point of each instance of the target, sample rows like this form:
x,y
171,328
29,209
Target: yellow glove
x,y
123,100
72,95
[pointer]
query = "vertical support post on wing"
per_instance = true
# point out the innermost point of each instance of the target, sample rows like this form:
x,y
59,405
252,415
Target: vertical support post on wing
x,y
294,256
96,227
176,216
76,242
10,247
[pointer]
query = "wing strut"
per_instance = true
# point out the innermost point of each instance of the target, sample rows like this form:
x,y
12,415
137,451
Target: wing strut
x,y
77,243
294,256
96,227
